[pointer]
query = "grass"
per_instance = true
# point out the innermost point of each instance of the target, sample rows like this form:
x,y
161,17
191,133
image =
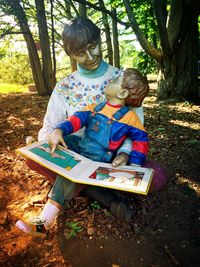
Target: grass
x,y
8,88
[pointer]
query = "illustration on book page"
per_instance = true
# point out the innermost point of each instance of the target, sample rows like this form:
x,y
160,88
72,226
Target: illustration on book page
x,y
128,177
60,158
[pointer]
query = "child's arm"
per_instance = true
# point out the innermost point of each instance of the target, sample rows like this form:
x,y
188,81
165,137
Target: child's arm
x,y
135,147
74,123
124,151
123,154
140,143
70,125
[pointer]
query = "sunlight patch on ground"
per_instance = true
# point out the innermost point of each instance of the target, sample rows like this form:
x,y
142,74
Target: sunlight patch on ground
x,y
149,101
33,121
14,121
6,88
185,108
189,184
15,243
193,126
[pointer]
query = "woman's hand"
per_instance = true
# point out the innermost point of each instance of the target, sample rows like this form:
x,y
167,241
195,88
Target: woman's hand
x,y
56,138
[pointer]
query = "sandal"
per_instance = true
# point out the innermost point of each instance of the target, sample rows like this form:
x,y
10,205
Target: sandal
x,y
35,227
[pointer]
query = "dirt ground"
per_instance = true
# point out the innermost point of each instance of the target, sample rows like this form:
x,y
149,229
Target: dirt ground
x,y
165,230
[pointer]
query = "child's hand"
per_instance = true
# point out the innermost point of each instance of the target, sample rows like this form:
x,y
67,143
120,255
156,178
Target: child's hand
x,y
121,159
56,138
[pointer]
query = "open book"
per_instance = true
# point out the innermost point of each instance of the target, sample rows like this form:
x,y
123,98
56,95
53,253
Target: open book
x,y
85,171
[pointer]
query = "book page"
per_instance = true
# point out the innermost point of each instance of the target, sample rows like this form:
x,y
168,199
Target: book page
x,y
79,169
127,178
64,162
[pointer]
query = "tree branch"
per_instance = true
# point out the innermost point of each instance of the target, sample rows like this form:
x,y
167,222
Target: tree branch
x,y
150,49
104,10
74,7
9,32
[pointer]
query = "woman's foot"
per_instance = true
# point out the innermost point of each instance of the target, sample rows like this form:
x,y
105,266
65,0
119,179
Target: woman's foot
x,y
35,227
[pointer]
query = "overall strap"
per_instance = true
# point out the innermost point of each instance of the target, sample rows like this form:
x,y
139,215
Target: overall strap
x,y
100,106
121,112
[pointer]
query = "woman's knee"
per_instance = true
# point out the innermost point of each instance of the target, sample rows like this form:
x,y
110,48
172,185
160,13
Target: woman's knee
x,y
50,175
160,175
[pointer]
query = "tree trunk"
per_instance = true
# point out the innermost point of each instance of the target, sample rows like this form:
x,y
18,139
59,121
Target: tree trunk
x,y
53,39
115,43
82,10
179,74
19,13
34,62
107,33
45,46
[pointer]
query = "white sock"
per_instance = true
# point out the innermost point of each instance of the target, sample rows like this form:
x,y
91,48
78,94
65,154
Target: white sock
x,y
49,214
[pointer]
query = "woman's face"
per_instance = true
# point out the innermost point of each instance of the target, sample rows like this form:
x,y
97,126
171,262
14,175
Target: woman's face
x,y
90,57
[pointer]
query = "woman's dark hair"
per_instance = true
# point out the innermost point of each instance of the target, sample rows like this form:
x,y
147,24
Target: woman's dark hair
x,y
137,85
80,32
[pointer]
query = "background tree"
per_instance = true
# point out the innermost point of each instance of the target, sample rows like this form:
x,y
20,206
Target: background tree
x,y
177,27
167,31
174,45
116,51
14,8
107,33
53,38
47,69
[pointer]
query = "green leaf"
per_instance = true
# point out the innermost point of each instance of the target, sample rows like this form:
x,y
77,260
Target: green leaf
x,y
74,227
193,142
161,129
95,205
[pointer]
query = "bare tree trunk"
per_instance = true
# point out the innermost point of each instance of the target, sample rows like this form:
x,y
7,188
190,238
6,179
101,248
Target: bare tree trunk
x,y
115,43
69,4
53,40
177,58
179,72
107,33
19,13
82,10
34,62
45,46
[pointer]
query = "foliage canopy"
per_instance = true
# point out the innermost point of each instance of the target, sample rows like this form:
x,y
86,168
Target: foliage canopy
x,y
166,30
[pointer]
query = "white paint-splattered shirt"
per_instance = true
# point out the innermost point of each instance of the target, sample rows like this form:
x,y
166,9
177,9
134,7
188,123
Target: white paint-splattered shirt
x,y
75,92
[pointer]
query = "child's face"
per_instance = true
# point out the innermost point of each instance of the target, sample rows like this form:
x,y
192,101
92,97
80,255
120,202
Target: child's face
x,y
90,57
113,88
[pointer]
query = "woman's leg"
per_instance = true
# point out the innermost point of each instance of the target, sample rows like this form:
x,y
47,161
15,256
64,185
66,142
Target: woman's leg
x,y
50,175
61,193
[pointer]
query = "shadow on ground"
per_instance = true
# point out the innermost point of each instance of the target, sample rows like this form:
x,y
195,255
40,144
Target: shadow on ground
x,y
165,230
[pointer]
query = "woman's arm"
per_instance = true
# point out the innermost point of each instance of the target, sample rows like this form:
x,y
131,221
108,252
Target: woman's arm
x,y
56,112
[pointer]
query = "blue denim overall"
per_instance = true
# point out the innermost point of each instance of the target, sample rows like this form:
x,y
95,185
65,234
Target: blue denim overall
x,y
94,145
95,141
